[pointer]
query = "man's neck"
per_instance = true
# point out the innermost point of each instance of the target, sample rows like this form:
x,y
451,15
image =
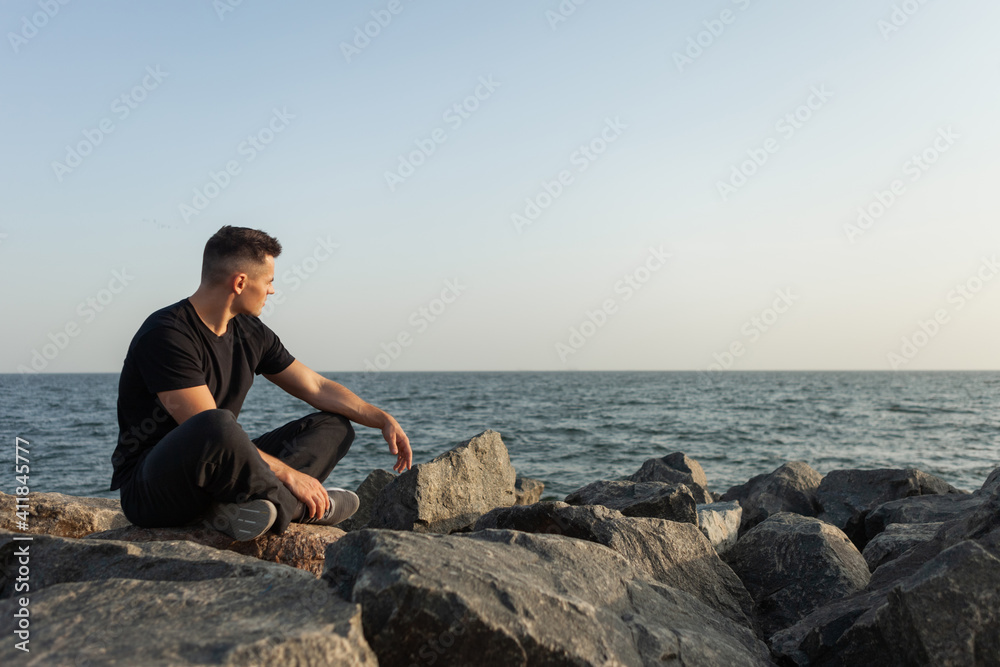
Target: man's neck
x,y
213,310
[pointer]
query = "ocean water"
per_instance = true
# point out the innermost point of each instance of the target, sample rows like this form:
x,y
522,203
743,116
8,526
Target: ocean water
x,y
571,428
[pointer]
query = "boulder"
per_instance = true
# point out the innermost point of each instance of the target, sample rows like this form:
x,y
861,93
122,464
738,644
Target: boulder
x,y
792,565
846,496
919,509
671,553
66,516
896,540
503,597
790,488
991,485
301,545
238,622
720,522
675,502
367,492
676,468
528,491
451,491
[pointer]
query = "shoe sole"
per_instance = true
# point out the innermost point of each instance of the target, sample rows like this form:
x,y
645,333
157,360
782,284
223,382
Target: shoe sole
x,y
244,521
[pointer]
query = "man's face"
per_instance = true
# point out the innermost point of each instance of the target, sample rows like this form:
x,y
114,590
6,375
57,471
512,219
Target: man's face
x,y
258,288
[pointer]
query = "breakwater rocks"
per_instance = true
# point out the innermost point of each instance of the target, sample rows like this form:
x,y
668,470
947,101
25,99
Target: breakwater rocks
x,y
458,561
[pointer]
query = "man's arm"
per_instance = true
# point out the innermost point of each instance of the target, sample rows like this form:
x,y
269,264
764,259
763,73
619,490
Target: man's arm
x,y
306,384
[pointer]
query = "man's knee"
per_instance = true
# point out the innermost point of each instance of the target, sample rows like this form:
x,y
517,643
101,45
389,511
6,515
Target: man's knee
x,y
341,428
217,424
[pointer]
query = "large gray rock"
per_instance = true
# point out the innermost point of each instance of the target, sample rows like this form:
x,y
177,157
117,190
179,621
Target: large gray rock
x,y
66,516
367,492
792,565
246,621
676,468
720,522
896,540
991,485
672,553
513,598
790,488
451,491
846,496
528,491
675,502
933,508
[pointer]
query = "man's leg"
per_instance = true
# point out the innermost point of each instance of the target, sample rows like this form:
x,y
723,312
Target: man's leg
x,y
207,459
313,444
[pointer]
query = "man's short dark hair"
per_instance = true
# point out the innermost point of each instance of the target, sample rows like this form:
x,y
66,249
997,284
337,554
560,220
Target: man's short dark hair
x,y
236,249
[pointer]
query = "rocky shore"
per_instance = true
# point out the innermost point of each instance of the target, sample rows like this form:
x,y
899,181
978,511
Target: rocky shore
x,y
458,562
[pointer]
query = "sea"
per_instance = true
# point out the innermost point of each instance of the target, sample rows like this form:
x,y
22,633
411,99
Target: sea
x,y
571,428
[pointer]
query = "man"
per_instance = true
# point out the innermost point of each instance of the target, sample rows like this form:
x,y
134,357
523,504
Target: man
x,y
181,455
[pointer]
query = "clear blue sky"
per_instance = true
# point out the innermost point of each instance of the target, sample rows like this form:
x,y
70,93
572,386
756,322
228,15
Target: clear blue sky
x,y
331,123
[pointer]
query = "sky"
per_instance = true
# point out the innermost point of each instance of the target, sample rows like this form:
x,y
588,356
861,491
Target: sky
x,y
545,185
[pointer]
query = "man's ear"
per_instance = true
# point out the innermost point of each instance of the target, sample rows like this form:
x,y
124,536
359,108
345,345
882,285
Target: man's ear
x,y
240,282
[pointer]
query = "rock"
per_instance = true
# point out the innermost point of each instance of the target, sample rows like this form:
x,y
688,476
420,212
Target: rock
x,y
301,545
792,565
503,597
676,468
919,509
720,522
675,502
991,485
671,553
846,496
451,491
57,560
528,491
66,516
790,488
242,621
367,492
895,540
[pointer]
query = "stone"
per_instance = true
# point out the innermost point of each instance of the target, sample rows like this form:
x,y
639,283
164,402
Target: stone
x,y
528,491
676,468
671,553
66,516
846,496
502,597
449,492
896,540
720,522
302,545
792,565
790,488
934,508
675,502
232,621
991,485
367,492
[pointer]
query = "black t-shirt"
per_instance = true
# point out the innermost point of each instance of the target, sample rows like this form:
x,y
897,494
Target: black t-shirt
x,y
175,349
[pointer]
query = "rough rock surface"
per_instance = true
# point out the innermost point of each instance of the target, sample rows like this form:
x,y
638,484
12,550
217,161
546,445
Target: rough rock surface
x,y
792,565
675,502
512,598
528,491
367,492
242,621
920,509
449,492
720,522
846,496
302,546
790,488
672,553
896,540
66,516
676,468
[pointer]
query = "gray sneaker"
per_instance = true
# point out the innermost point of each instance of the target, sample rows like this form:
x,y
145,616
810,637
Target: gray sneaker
x,y
242,521
343,504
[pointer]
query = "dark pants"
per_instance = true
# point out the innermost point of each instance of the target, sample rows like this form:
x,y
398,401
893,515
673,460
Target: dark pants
x,y
210,458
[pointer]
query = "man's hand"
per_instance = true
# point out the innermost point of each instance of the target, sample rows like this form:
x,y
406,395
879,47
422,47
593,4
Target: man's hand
x,y
399,444
308,490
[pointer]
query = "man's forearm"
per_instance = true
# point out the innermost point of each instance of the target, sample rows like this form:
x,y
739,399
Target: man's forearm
x,y
334,397
277,466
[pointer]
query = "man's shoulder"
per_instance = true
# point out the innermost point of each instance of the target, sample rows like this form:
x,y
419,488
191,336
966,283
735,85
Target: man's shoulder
x,y
169,319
